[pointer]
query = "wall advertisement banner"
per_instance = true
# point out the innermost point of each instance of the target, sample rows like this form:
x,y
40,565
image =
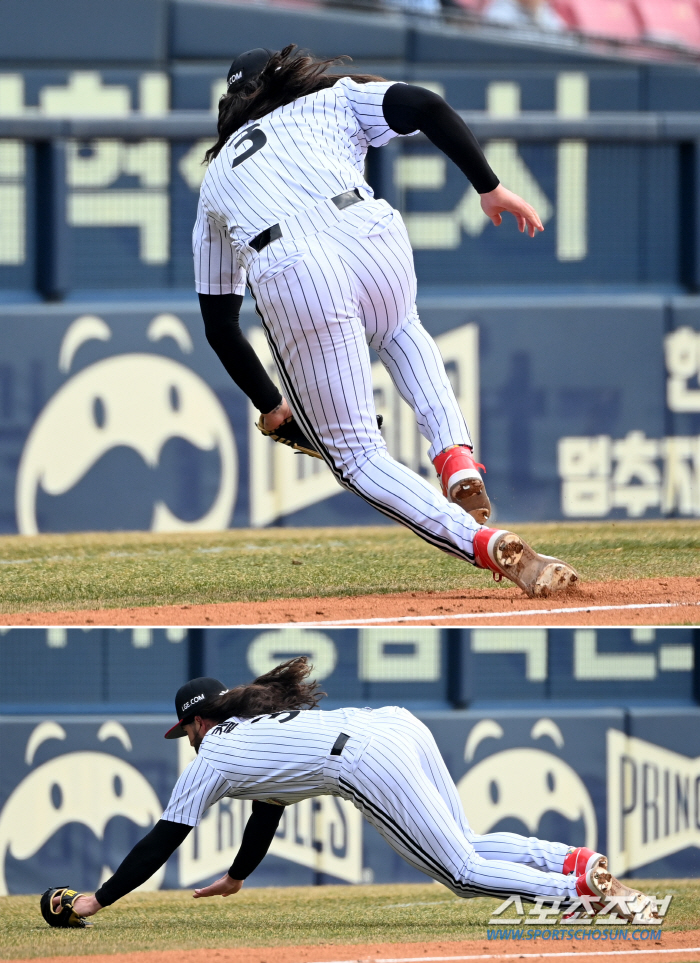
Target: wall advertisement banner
x,y
120,416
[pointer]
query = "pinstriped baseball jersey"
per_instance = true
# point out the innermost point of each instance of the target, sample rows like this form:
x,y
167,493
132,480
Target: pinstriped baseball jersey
x,y
280,757
292,159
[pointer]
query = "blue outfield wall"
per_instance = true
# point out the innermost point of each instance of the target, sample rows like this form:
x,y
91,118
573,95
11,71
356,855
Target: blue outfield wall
x,y
76,793
120,416
427,669
126,208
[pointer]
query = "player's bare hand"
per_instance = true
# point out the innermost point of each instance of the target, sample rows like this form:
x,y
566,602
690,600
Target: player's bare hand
x,y
502,200
221,887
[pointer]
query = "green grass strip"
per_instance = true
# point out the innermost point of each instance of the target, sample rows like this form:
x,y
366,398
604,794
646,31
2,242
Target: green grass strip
x,y
113,570
281,917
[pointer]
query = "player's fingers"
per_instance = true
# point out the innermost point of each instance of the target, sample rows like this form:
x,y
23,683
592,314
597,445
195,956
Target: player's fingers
x,y
535,226
534,218
205,891
497,219
521,222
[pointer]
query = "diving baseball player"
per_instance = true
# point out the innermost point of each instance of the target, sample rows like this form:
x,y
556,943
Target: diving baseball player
x,y
268,741
284,208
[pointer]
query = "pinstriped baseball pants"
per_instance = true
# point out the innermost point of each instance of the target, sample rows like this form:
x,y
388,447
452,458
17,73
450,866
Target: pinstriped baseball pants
x,y
401,785
323,297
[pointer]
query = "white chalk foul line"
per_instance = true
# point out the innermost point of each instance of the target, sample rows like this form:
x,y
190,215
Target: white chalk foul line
x,y
465,615
524,956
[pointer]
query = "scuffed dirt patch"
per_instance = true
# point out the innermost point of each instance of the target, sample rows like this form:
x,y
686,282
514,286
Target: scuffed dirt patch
x,y
668,601
676,947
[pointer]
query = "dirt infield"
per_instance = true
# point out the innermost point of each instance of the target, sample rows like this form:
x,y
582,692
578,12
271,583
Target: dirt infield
x,y
668,601
674,947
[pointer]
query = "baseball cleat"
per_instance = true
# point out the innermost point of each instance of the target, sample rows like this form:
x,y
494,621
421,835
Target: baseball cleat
x,y
613,896
462,483
579,860
508,556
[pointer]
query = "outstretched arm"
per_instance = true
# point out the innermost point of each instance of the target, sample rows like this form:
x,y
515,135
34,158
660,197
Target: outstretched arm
x,y
145,859
407,108
257,837
221,315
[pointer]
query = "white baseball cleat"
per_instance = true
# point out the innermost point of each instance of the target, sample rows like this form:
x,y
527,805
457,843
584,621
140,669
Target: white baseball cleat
x,y
508,556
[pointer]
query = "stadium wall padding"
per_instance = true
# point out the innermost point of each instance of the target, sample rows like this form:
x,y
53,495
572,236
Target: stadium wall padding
x,y
127,210
124,211
92,785
579,407
425,668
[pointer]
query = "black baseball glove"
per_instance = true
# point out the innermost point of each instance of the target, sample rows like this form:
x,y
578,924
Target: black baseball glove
x,y
289,433
63,916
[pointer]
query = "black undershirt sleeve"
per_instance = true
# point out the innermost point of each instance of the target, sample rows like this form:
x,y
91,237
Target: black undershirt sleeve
x,y
407,108
221,313
145,859
258,834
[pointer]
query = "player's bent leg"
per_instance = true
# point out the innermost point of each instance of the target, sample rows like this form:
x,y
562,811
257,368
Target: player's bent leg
x,y
373,244
413,360
431,762
416,367
541,854
384,260
388,785
323,359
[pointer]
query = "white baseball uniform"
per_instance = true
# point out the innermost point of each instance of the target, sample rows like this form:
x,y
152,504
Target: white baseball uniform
x,y
333,282
387,763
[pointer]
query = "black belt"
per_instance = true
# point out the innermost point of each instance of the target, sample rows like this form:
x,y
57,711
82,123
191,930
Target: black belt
x,y
339,744
270,234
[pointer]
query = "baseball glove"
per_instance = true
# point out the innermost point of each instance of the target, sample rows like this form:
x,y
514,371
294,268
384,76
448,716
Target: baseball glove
x,y
63,916
289,433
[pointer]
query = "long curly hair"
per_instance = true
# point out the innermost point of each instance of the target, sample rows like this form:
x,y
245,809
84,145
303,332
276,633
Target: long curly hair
x,y
288,75
284,687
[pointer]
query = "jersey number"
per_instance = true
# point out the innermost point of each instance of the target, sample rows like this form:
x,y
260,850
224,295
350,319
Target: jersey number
x,y
257,139
282,716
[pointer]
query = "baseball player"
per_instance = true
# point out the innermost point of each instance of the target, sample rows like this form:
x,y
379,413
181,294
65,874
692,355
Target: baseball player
x,y
268,741
284,208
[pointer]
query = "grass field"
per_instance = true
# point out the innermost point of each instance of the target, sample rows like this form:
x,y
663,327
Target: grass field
x,y
113,570
282,917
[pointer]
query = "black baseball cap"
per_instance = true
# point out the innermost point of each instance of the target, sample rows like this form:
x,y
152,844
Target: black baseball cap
x,y
187,699
246,66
